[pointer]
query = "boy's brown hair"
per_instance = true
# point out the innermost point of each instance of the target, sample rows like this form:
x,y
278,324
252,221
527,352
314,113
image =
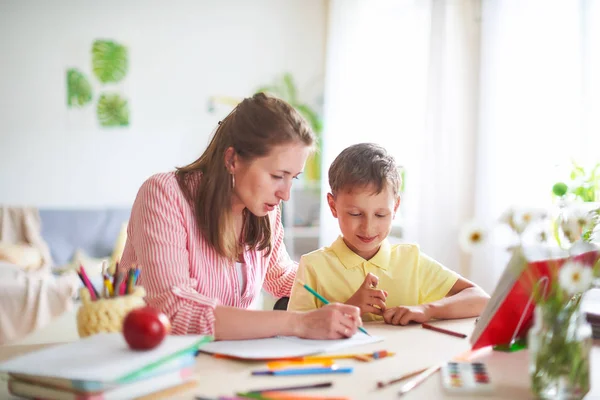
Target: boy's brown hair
x,y
362,165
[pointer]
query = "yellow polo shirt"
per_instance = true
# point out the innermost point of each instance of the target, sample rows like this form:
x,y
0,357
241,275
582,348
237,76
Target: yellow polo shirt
x,y
336,272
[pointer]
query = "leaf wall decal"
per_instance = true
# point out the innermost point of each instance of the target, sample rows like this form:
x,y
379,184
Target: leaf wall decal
x,y
109,61
79,89
112,110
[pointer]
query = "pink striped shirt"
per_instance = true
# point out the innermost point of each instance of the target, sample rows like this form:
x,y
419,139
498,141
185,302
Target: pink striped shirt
x,y
182,274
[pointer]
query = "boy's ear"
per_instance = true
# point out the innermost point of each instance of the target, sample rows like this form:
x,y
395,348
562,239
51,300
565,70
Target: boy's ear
x,y
396,205
331,202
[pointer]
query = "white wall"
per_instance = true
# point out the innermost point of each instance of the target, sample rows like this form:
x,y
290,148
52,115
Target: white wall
x,y
181,53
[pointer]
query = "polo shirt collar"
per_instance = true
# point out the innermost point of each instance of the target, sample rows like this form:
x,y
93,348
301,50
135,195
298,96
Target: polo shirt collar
x,y
350,259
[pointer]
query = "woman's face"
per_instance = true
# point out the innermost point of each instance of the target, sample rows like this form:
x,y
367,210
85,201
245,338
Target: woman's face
x,y
261,184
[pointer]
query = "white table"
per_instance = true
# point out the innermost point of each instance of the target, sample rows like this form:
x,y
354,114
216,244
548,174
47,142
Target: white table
x,y
415,348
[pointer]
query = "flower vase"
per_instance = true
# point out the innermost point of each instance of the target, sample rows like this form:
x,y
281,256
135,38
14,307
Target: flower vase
x,y
560,343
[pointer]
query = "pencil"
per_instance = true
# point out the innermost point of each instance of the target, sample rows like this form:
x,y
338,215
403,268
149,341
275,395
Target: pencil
x,y
285,364
382,384
289,388
118,284
290,396
85,284
442,330
422,377
130,277
89,285
341,356
108,285
325,301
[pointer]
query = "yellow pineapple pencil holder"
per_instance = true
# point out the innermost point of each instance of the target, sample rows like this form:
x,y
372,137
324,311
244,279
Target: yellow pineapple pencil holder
x,y
106,314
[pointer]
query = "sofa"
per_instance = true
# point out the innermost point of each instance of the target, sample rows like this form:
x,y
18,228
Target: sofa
x,y
92,232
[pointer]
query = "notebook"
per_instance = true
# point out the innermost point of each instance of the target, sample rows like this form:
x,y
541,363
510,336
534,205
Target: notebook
x,y
283,346
509,312
104,358
185,361
126,391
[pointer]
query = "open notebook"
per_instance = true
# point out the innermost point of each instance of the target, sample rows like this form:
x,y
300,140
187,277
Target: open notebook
x,y
283,346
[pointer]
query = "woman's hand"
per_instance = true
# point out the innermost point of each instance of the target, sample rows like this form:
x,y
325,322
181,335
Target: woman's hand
x,y
368,299
333,321
402,315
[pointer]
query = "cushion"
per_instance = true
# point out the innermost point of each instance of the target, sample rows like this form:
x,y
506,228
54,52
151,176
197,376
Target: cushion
x,y
23,255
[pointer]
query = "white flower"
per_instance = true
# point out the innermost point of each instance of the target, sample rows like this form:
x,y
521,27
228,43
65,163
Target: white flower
x,y
471,235
543,234
574,221
526,217
575,277
507,217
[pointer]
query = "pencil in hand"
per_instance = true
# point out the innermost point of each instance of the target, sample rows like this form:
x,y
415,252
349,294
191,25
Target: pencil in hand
x,y
325,301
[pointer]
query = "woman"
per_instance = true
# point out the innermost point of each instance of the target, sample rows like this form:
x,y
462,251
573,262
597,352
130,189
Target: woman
x,y
209,235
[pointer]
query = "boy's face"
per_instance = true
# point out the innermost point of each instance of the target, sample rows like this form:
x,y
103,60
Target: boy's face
x,y
365,217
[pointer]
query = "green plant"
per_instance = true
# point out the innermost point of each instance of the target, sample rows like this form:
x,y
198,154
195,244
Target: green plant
x,y
112,110
79,89
285,89
583,185
109,61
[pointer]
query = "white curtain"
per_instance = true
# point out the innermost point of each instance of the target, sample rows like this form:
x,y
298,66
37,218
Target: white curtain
x,y
482,101
539,107
403,74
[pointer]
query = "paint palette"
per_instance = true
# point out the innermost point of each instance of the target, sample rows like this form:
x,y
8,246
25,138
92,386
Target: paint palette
x,y
465,377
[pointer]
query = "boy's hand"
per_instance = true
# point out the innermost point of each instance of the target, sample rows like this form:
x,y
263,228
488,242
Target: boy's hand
x,y
402,315
368,299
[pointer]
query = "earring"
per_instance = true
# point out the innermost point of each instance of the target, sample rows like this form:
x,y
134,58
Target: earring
x,y
232,181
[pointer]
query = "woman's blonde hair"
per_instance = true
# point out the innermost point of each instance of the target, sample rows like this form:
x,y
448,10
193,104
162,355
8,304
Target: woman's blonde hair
x,y
252,129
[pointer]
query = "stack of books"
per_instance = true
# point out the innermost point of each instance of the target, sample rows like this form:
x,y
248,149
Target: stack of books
x,y
103,367
591,306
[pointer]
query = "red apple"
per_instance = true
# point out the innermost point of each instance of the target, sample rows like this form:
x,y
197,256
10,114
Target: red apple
x,y
145,328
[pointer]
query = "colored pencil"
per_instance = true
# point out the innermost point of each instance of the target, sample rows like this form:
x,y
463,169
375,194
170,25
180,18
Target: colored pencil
x,y
290,388
305,371
341,356
442,330
108,285
136,276
91,288
115,279
291,363
130,278
325,301
401,378
294,396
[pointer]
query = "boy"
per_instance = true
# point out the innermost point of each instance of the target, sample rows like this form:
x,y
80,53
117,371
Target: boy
x,y
396,283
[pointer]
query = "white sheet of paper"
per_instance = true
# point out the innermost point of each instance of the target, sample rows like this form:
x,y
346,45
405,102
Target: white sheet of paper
x,y
283,346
